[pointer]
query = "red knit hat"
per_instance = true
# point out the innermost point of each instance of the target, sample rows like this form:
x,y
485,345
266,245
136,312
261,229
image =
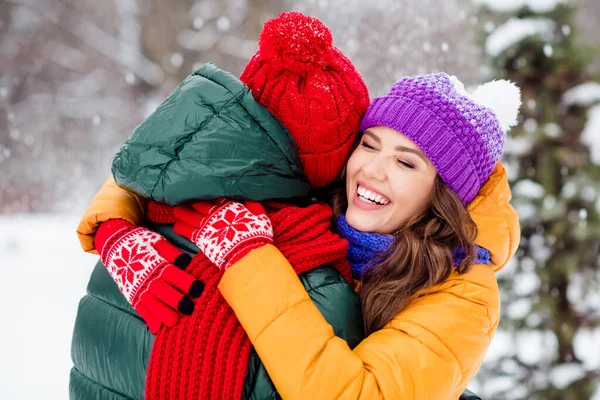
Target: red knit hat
x,y
311,88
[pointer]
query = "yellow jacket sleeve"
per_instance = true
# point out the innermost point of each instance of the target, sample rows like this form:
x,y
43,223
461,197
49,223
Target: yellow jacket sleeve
x,y
431,350
110,202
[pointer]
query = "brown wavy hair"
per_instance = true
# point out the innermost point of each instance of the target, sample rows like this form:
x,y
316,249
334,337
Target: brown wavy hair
x,y
419,259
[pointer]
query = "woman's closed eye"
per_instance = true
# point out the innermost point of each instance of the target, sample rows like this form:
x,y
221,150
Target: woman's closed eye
x,y
405,164
367,145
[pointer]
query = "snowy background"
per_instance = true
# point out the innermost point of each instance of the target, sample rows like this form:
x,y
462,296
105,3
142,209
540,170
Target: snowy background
x,y
77,76
44,274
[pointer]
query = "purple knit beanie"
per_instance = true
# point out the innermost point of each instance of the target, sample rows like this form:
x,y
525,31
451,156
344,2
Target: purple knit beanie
x,y
462,134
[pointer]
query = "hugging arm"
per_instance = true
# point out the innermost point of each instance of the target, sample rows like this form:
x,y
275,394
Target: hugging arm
x,y
413,357
111,202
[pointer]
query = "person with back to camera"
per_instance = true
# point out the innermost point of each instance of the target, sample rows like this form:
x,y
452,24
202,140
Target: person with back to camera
x,y
285,127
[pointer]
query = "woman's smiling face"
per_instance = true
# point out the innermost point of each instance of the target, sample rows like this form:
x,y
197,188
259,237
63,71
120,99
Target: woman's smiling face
x,y
388,180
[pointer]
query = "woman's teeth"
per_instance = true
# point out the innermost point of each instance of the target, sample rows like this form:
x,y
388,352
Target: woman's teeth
x,y
370,197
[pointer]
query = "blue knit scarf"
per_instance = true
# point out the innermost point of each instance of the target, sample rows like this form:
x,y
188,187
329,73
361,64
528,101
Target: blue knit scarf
x,y
364,248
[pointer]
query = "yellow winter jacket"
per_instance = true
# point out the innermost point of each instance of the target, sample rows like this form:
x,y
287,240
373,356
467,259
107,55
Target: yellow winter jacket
x,y
431,350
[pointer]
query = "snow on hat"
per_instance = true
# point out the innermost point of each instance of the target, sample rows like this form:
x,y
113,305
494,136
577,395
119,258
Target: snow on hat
x,y
311,88
461,133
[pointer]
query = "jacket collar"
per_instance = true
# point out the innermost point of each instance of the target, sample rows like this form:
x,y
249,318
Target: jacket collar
x,y
497,221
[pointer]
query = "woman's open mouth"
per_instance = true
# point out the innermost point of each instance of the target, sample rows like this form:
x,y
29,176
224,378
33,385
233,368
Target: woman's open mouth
x,y
368,199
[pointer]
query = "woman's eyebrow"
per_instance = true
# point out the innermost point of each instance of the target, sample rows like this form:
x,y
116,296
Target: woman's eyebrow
x,y
373,136
414,151
397,148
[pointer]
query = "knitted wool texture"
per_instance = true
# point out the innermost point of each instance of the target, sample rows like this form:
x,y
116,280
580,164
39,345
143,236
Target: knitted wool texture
x,y
205,356
461,138
311,88
160,213
366,249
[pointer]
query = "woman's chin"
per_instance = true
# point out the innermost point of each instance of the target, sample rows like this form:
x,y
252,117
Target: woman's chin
x,y
360,222
364,222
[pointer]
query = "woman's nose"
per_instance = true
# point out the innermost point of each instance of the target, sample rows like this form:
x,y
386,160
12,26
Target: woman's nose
x,y
374,170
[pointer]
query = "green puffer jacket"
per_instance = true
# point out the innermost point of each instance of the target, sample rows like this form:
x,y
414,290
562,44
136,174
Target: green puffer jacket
x,y
208,139
111,344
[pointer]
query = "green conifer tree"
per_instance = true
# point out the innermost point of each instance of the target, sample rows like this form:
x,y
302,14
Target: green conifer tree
x,y
551,305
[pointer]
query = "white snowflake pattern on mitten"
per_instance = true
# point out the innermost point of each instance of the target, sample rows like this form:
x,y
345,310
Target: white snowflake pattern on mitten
x,y
131,260
229,228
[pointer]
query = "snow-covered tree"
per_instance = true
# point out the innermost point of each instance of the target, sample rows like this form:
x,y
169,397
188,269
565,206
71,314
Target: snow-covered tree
x,y
390,39
548,345
78,76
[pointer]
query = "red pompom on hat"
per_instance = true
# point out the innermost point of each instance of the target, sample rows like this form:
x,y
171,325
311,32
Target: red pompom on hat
x,y
296,42
311,88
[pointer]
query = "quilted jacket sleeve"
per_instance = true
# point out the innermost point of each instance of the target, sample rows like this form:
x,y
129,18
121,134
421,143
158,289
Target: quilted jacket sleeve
x,y
110,202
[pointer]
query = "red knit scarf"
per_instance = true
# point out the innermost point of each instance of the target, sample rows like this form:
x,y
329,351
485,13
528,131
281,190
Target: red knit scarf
x,y
205,356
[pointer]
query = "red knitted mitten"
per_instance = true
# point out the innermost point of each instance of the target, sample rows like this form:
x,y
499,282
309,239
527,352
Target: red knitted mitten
x,y
149,271
225,231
